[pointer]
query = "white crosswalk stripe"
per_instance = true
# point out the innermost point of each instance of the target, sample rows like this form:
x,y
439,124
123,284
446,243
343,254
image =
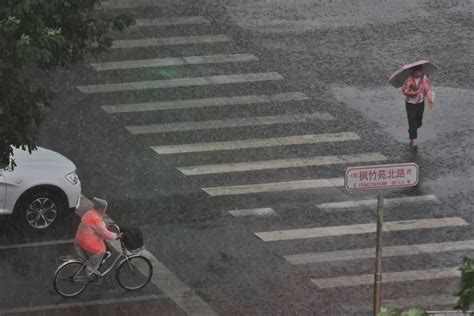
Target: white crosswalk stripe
x,y
274,187
228,123
317,232
170,41
256,143
184,20
130,4
206,102
405,302
180,61
388,277
373,202
253,212
182,82
393,251
280,164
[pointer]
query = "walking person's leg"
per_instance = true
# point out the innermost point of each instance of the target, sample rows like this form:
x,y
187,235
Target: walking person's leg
x,y
412,122
419,113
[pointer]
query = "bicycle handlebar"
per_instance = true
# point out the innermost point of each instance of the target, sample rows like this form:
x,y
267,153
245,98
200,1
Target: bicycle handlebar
x,y
115,226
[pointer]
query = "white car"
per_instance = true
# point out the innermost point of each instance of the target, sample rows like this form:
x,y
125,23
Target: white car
x,y
43,186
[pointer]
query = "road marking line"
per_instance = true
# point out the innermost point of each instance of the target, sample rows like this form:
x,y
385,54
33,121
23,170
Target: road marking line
x,y
304,233
181,82
253,212
83,303
163,278
183,296
38,244
274,187
373,202
170,41
229,123
256,143
388,277
180,61
280,164
113,5
208,102
183,20
369,253
404,302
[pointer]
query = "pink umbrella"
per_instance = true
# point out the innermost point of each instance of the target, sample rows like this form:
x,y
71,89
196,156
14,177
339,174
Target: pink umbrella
x,y
398,77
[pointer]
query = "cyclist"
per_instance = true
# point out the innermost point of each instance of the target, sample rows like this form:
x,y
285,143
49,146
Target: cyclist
x,y
90,236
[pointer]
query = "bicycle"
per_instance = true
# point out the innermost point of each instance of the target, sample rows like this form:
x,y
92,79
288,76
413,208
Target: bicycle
x,y
130,267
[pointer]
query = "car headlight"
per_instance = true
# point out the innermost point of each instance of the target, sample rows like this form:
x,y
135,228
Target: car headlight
x,y
72,177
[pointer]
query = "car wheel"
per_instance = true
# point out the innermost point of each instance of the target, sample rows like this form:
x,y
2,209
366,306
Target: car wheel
x,y
40,210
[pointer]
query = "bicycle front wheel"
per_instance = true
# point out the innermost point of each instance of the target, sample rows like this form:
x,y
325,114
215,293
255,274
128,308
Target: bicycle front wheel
x,y
134,272
70,279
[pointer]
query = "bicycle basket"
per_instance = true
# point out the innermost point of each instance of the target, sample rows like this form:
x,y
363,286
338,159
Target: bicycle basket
x,y
132,238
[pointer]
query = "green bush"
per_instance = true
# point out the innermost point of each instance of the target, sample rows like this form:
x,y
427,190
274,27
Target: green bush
x,y
466,288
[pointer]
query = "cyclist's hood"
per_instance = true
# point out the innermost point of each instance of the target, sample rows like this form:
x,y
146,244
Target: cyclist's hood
x,y
100,205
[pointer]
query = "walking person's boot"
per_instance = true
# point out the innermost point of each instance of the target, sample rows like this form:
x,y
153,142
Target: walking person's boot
x,y
413,145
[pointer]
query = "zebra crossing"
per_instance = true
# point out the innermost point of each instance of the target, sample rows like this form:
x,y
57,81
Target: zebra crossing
x,y
280,164
180,61
185,20
405,276
305,233
389,202
274,187
129,4
255,143
176,83
369,253
281,100
277,98
267,211
169,41
227,123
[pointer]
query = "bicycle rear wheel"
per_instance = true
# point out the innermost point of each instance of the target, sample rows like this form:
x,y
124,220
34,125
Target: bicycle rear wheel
x,y
134,272
70,279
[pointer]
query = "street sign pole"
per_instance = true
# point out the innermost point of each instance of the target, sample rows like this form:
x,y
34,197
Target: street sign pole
x,y
380,177
378,256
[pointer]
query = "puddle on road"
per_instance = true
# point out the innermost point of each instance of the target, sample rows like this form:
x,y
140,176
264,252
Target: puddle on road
x,y
446,135
386,106
303,15
455,189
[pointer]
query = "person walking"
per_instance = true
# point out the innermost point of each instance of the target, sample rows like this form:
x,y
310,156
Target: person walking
x,y
90,236
413,79
416,88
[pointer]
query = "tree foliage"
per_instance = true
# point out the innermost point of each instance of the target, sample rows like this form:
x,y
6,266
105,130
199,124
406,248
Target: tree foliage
x,y
40,35
466,288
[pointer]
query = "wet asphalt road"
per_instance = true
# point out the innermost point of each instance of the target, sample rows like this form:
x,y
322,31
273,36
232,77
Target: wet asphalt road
x,y
339,54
